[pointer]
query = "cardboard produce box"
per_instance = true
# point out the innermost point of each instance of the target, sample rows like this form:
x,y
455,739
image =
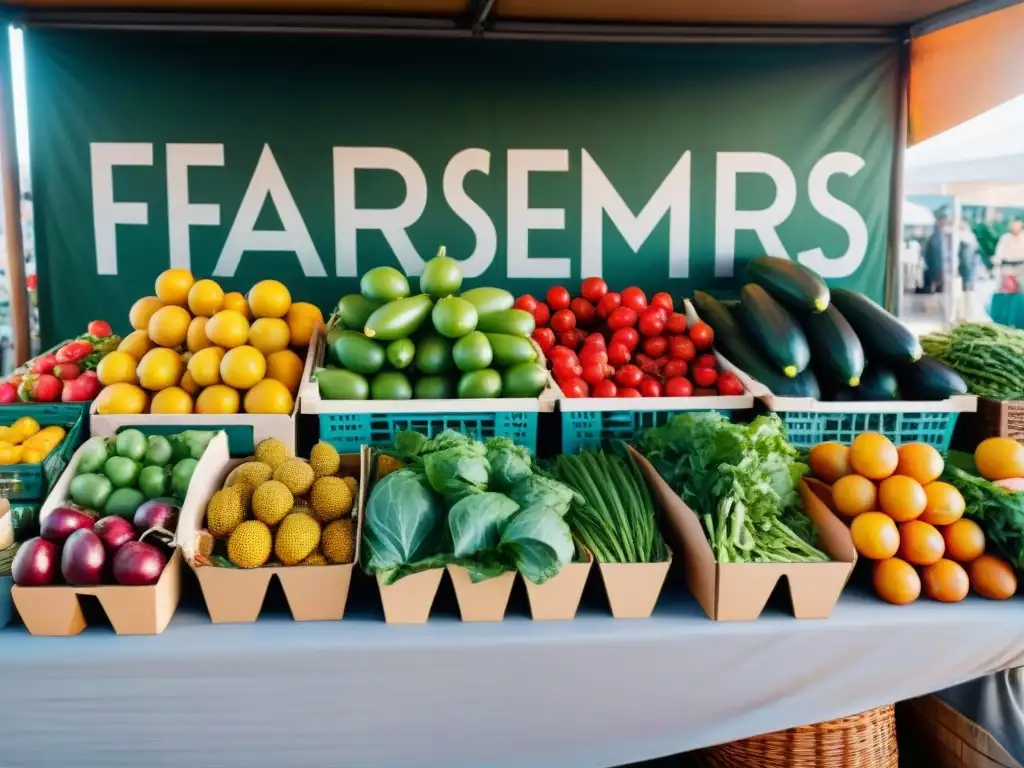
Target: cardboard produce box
x,y
558,598
633,589
236,595
485,600
739,591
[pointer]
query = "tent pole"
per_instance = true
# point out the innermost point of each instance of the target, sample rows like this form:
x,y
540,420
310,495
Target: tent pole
x,y
894,272
12,203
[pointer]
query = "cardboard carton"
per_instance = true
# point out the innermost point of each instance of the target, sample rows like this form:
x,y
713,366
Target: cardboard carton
x,y
409,600
485,600
739,591
633,589
236,595
558,598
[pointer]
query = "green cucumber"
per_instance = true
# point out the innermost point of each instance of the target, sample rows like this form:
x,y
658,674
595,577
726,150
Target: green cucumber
x,y
398,319
355,310
339,384
838,353
453,317
795,286
390,385
884,338
482,383
488,300
773,330
524,380
433,388
878,384
433,355
472,352
384,284
354,352
514,322
509,350
333,335
930,379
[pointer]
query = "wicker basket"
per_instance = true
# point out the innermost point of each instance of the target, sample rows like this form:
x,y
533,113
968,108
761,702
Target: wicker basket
x,y
1001,418
867,740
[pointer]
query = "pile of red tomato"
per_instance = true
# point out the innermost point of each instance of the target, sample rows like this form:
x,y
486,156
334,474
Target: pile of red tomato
x,y
606,344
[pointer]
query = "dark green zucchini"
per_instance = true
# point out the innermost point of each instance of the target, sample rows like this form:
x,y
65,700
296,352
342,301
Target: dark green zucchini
x,y
773,330
795,286
838,353
883,337
930,379
878,383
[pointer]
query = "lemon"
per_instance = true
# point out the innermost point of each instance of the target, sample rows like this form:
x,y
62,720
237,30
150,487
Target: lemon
x,y
168,326
285,366
10,454
205,298
117,367
228,328
188,383
243,367
142,310
173,285
136,344
34,455
217,399
196,337
24,428
121,398
237,302
269,334
269,396
159,369
303,319
269,298
171,400
204,366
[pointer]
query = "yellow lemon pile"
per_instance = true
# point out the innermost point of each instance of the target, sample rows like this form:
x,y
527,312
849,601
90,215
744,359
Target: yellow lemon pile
x,y
24,442
197,349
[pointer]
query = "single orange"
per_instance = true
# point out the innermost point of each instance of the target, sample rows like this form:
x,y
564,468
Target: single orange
x,y
896,581
992,577
945,504
853,495
873,456
999,458
920,461
921,543
829,461
965,540
901,498
945,581
875,535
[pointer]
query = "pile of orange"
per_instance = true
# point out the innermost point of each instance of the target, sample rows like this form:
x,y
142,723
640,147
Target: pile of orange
x,y
909,522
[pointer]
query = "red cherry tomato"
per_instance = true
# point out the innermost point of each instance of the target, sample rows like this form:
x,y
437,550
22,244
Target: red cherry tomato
x,y
557,353
608,304
565,369
635,299
627,336
593,289
594,372
584,311
650,387
647,365
623,317
628,392
571,339
618,353
651,322
676,323
655,346
563,320
706,361
705,377
702,335
728,384
591,355
526,303
605,388
545,339
628,376
575,387
662,299
678,387
558,298
594,340
674,368
681,348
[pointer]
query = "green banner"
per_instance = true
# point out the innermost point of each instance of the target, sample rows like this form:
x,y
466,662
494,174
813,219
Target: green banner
x,y
313,159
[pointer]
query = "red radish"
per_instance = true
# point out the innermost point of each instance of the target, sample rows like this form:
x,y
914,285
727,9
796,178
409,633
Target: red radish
x,y
674,368
635,299
628,376
66,371
623,317
655,346
729,384
44,364
81,390
565,369
584,311
545,339
83,559
44,388
676,323
706,361
62,522
651,322
662,299
155,514
628,336
605,388
563,320
704,377
138,564
526,302
114,532
608,304
593,356
682,348
647,365
570,339
557,352
702,336
99,328
594,373
541,314
595,340
74,351
628,392
650,388
678,387
36,563
8,393
618,353
575,387
593,289
558,298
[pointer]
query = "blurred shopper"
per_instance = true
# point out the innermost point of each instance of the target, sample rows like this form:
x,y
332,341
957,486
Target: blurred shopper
x,y
1009,255
938,256
969,264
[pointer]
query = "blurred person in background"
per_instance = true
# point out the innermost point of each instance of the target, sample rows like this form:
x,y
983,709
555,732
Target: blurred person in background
x,y
938,255
1009,256
969,264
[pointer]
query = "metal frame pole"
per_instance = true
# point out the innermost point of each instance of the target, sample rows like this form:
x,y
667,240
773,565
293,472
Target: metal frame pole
x,y
894,273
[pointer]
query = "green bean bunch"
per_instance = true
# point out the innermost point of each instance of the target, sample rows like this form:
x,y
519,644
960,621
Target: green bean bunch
x,y
990,358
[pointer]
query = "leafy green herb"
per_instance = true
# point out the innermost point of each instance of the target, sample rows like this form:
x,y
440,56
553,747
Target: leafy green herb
x,y
999,512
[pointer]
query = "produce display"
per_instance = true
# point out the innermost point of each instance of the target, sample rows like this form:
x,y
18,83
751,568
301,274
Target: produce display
x,y
906,515
452,500
990,358
278,510
198,349
24,442
66,375
386,344
608,344
741,481
800,339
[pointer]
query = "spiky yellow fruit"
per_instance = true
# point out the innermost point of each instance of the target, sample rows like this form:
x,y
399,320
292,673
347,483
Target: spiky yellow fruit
x,y
249,544
353,486
324,459
254,473
271,452
315,559
225,511
296,475
339,541
297,538
330,499
271,502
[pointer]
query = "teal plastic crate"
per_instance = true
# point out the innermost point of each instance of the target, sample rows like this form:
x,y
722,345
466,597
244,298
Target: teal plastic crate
x,y
588,430
32,482
348,432
807,429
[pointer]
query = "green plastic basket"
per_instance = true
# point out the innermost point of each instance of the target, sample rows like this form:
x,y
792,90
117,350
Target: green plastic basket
x,y
589,430
807,429
32,482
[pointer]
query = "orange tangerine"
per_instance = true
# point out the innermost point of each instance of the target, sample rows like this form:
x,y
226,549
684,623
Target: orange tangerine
x,y
901,498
